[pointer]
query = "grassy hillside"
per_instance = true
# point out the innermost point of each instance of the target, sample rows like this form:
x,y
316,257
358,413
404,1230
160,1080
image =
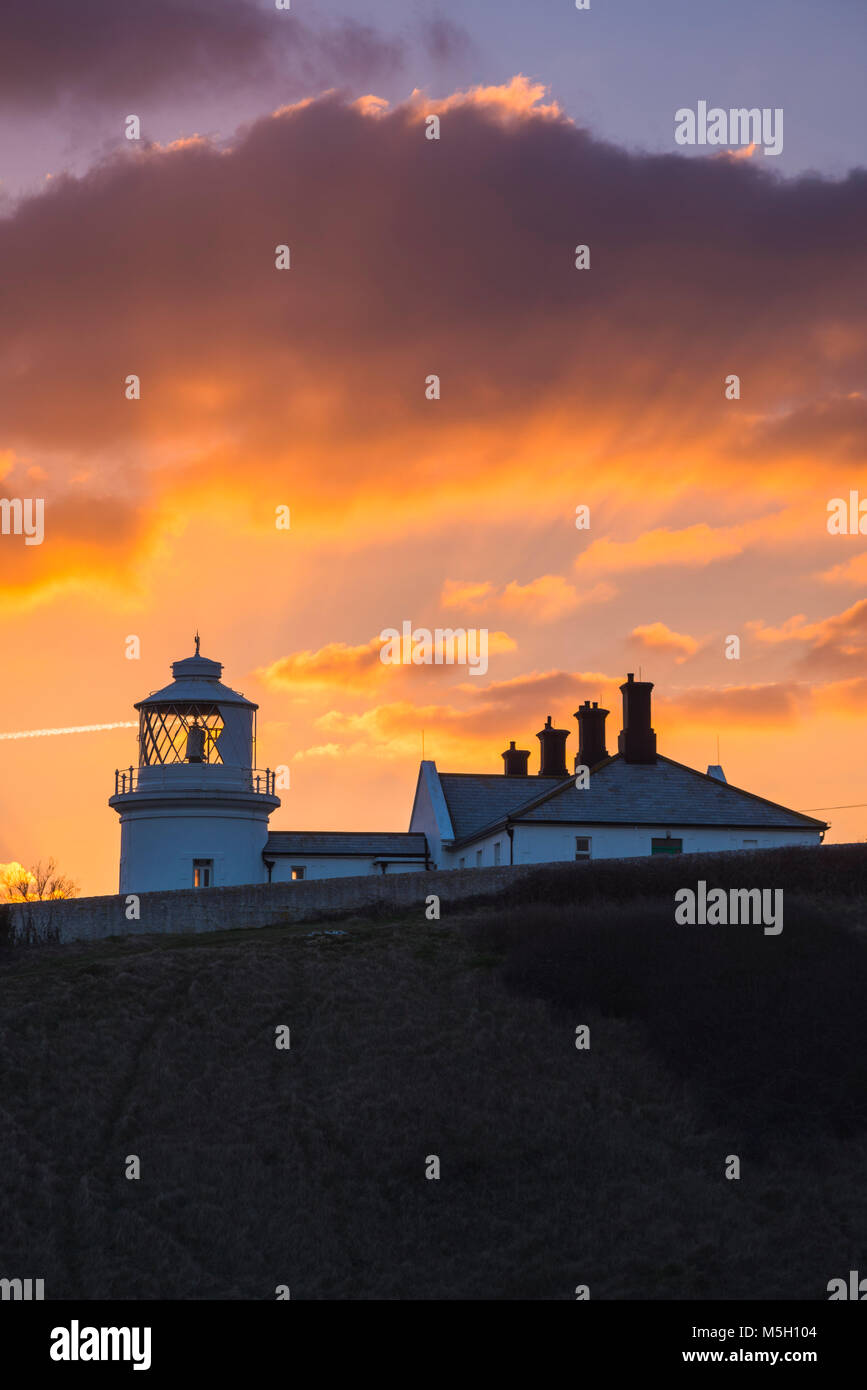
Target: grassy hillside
x,y
456,1038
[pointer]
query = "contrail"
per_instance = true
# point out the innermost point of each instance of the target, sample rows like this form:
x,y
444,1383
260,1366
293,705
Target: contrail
x,y
76,729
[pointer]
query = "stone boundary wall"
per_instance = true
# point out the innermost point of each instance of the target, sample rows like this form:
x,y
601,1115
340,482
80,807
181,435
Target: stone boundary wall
x,y
826,869
253,905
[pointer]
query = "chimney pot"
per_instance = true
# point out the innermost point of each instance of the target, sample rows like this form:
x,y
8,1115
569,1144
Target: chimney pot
x,y
515,761
637,741
591,734
553,741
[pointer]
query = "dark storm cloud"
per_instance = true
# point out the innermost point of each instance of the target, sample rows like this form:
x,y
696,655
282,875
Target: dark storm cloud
x,y
107,50
412,256
445,41
164,258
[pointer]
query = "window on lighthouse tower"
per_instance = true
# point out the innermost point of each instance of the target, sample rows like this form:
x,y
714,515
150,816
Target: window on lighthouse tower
x,y
203,873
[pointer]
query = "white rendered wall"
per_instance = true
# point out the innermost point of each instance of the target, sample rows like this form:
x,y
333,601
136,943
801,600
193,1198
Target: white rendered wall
x,y
158,845
537,844
546,844
337,866
430,814
486,846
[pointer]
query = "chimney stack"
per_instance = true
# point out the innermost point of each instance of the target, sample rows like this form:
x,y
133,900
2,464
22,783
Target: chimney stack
x,y
591,734
637,741
553,743
516,760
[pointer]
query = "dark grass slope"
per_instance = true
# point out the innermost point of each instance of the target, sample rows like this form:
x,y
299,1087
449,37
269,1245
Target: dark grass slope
x,y
456,1038
769,1031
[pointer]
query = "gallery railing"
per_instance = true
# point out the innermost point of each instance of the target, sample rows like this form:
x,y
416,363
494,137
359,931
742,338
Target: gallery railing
x,y
254,779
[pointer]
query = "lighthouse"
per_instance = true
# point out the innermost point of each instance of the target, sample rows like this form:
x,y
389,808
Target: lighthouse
x,y
194,813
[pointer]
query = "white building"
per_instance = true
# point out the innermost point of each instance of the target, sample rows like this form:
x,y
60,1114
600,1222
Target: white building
x,y
635,802
194,813
294,854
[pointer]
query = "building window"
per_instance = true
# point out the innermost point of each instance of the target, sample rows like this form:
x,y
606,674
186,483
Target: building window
x,y
582,846
297,871
478,858
462,863
203,873
751,844
666,846
497,844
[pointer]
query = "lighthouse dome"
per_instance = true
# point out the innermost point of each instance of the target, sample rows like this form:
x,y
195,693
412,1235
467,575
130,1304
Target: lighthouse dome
x,y
196,678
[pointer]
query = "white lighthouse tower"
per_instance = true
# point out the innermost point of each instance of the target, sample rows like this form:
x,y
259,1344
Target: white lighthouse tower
x,y
194,814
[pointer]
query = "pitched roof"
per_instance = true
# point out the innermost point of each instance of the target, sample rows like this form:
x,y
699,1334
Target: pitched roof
x,y
384,844
620,793
477,799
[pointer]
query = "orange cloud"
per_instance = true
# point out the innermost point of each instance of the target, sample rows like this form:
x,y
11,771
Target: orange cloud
x,y
836,643
360,668
335,665
396,728
794,629
472,597
472,736
842,698
93,541
321,750
524,696
543,600
854,571
696,546
478,729
746,153
659,637
370,105
760,706
520,97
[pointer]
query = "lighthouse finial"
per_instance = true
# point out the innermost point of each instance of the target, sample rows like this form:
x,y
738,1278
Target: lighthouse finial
x,y
197,644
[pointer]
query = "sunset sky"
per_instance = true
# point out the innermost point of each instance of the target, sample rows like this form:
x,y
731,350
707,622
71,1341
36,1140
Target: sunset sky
x,y
305,388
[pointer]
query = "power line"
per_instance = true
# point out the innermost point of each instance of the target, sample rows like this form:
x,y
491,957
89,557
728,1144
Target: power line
x,y
855,806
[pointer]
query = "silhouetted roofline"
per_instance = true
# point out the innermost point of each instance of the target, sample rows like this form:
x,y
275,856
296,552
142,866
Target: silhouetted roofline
x,y
347,844
520,813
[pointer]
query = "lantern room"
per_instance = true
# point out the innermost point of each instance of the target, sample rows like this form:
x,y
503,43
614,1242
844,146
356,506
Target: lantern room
x,y
197,719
